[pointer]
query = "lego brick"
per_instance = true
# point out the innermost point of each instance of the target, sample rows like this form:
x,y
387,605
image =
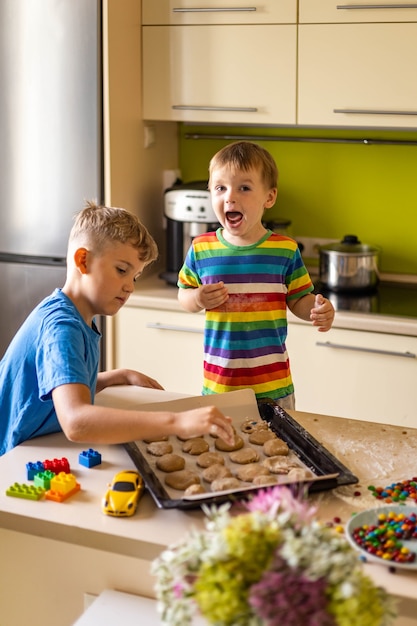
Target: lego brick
x,y
89,458
57,465
43,479
33,468
62,487
28,492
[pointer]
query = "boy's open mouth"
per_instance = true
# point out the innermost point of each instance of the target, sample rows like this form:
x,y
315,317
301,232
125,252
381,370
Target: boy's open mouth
x,y
234,218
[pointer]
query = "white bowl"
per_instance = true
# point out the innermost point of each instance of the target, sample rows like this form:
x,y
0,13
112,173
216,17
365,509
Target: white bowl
x,y
370,517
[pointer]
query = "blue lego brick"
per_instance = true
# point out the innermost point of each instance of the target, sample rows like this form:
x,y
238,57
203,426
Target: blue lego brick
x,y
34,468
89,458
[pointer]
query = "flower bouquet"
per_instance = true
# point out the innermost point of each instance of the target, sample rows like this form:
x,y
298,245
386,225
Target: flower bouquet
x,y
268,563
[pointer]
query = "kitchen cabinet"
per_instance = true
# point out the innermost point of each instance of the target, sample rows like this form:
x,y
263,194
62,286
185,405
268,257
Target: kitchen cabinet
x,y
357,374
231,64
356,64
166,345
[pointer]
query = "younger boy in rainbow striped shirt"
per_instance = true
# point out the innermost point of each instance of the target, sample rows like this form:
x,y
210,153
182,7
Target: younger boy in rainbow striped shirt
x,y
245,277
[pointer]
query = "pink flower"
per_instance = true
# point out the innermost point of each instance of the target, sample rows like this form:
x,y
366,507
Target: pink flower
x,y
271,501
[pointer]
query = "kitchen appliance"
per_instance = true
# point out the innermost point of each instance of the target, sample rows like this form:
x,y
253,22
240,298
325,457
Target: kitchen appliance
x,y
349,265
50,144
188,213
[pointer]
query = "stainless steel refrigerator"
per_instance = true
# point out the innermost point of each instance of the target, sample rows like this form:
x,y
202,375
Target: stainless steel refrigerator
x,y
50,143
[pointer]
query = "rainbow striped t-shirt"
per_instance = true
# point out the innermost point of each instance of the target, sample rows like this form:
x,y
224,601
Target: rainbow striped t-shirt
x,y
244,339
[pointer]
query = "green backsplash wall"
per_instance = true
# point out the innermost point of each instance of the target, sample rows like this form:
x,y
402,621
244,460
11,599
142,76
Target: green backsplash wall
x,y
330,188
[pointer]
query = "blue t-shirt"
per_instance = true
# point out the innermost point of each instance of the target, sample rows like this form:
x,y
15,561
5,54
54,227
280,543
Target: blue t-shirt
x,y
53,347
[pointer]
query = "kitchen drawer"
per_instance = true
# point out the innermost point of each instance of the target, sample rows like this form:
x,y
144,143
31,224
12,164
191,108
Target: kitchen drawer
x,y
354,11
219,12
201,74
355,374
165,345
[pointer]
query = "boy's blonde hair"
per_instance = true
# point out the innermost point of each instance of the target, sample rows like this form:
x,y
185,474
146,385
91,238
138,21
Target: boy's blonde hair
x,y
97,226
244,156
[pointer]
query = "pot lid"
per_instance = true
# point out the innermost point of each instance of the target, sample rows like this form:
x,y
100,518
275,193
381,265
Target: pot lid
x,y
350,244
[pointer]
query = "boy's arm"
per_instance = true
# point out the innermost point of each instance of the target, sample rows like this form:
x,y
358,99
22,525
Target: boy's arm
x,y
125,377
84,422
317,309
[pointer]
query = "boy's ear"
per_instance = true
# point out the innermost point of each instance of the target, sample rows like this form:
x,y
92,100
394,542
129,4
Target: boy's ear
x,y
80,259
272,196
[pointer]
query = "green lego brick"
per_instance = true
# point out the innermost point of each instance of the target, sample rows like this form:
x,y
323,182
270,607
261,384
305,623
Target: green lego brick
x,y
43,479
28,492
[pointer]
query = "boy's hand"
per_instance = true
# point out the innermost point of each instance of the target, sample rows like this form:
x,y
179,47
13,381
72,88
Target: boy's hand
x,y
204,421
322,313
142,380
211,296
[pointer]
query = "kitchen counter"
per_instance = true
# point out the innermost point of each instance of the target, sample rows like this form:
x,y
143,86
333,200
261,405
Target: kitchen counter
x,y
152,292
76,549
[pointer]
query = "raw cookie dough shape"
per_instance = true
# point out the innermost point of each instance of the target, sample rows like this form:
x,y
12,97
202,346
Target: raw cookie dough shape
x,y
195,446
265,479
248,472
210,458
299,473
182,479
258,437
244,456
249,426
170,463
194,490
222,484
274,447
213,472
153,439
159,448
279,464
220,444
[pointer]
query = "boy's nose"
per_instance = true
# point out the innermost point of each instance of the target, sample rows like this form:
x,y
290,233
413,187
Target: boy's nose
x,y
129,287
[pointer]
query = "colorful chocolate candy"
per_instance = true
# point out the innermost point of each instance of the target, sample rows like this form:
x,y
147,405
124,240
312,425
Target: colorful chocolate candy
x,y
385,538
396,492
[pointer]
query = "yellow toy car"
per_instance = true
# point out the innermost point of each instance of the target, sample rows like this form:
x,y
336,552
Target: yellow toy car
x,y
122,497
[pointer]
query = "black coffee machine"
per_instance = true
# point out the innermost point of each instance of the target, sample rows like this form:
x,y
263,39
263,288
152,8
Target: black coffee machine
x,y
188,212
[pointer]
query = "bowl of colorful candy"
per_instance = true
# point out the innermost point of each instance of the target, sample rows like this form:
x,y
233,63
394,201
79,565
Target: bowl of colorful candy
x,y
386,535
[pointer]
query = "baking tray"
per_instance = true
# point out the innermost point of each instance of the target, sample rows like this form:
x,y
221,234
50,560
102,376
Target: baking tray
x,y
328,471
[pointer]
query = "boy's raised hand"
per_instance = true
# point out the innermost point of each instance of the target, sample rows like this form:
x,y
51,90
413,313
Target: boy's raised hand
x,y
322,313
211,296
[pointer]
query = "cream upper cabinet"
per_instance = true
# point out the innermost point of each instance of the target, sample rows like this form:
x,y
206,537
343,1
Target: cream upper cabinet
x,y
226,64
357,74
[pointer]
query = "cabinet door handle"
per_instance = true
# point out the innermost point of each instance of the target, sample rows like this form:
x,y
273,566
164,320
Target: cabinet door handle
x,y
376,6
183,329
341,346
373,112
186,107
211,9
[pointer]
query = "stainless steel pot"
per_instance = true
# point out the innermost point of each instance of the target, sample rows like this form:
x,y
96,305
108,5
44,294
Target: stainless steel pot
x,y
349,265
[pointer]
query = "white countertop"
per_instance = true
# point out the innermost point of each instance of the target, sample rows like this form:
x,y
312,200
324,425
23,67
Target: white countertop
x,y
152,292
375,453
